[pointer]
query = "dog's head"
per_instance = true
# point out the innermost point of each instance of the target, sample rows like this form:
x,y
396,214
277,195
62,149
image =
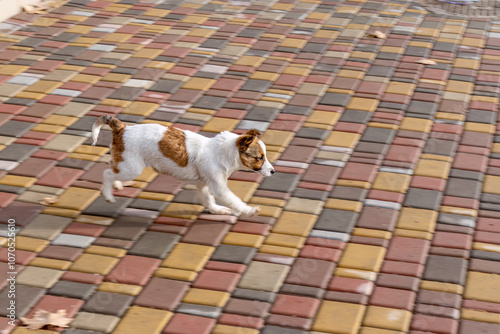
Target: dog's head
x,y
253,153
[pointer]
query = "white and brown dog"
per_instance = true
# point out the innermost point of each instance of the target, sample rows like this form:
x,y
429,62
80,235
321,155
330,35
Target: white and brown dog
x,y
188,156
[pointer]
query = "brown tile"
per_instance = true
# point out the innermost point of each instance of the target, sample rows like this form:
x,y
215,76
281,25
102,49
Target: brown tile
x,y
206,233
164,294
133,270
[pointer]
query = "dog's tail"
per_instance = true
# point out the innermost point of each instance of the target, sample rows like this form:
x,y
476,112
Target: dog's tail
x,y
114,123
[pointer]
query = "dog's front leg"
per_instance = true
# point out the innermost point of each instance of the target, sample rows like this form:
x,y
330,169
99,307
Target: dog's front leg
x,y
208,201
225,196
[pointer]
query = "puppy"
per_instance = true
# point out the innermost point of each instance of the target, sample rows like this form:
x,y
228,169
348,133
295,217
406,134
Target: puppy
x,y
187,156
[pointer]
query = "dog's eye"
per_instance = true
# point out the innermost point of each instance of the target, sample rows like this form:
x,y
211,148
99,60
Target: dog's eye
x,y
261,157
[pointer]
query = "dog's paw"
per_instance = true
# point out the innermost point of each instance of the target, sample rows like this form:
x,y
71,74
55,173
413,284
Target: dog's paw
x,y
250,211
220,210
118,185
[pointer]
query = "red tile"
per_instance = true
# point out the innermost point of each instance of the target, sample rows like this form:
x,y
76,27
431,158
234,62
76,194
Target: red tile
x,y
433,324
288,321
188,324
378,218
321,242
133,270
388,196
231,85
11,109
55,303
353,285
452,240
315,186
402,268
482,306
216,280
5,326
393,298
253,308
231,113
460,202
251,228
472,162
298,306
289,80
226,266
350,127
163,294
74,276
22,257
488,224
90,230
320,253
431,183
208,233
346,297
408,249
359,172
398,282
49,154
317,274
240,321
487,237
284,125
6,199
60,177
321,174
299,154
403,153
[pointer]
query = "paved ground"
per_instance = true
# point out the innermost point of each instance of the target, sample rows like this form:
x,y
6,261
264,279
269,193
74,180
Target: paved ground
x,y
383,216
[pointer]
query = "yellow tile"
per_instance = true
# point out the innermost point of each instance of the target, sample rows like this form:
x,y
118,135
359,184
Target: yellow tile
x,y
94,264
226,329
295,223
481,316
267,76
12,70
44,21
48,128
293,43
458,210
363,257
491,184
295,70
363,55
427,156
396,87
483,287
285,240
371,330
417,219
479,127
50,263
199,83
277,137
86,78
116,103
473,42
451,116
433,168
31,244
486,247
106,251
141,108
342,204
318,16
338,317
326,34
390,318
392,182
243,239
366,232
116,77
443,287
363,103
148,53
188,257
60,120
472,64
253,61
157,12
89,157
459,86
43,86
413,234
92,150
279,250
343,139
87,41
117,37
18,181
218,124
197,19
268,201
177,274
431,32
183,210
351,74
30,95
392,49
142,320
206,297
356,273
416,124
94,220
161,65
77,198
242,189
61,212
156,196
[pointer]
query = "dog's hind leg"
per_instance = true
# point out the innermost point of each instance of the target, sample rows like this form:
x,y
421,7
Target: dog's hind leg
x,y
110,178
208,201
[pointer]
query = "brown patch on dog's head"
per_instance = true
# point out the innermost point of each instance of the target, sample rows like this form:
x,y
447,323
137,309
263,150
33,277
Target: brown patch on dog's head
x,y
173,146
251,153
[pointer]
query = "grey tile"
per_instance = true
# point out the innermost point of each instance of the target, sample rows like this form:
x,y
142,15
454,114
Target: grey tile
x,y
263,296
422,107
236,254
154,244
460,220
17,152
148,204
280,182
440,147
127,228
313,133
446,269
378,135
210,102
26,298
72,289
200,310
280,330
355,116
76,163
465,174
263,114
166,86
423,199
301,290
100,207
463,188
311,194
256,85
367,147
484,255
108,303
349,193
335,99
336,220
481,116
15,128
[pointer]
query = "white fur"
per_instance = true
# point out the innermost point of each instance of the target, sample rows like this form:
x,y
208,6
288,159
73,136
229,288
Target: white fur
x,y
211,162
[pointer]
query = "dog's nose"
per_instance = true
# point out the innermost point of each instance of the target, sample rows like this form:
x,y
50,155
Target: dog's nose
x,y
272,171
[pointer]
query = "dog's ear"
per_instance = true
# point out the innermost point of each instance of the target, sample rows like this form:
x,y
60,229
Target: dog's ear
x,y
246,139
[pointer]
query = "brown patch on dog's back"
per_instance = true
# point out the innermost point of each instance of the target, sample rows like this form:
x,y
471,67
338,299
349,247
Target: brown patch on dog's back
x,y
173,146
251,153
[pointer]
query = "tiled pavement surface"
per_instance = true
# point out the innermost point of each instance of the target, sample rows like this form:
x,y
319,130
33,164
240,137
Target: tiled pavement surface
x,y
383,216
